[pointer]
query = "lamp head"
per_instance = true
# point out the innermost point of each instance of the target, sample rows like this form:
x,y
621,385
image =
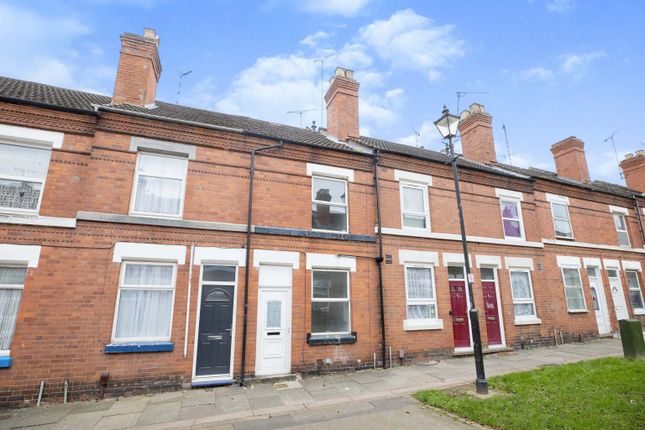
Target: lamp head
x,y
447,124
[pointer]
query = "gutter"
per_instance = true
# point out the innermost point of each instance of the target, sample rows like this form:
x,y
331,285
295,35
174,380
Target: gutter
x,y
247,271
379,258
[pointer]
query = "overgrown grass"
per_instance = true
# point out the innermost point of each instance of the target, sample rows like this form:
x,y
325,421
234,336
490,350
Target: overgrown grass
x,y
608,393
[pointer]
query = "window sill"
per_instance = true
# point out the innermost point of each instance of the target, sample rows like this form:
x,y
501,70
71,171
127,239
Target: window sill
x,y
5,362
331,339
128,347
532,321
579,311
570,239
639,311
430,324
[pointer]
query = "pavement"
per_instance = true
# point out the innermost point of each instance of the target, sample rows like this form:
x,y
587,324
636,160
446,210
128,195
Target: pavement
x,y
370,399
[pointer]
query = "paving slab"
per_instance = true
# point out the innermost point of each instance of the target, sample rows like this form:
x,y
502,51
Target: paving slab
x,y
159,413
194,412
85,420
295,396
277,422
271,401
93,406
115,422
170,396
198,398
39,416
234,403
128,405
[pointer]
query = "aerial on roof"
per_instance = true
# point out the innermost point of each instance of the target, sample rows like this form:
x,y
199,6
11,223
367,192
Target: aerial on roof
x,y
14,90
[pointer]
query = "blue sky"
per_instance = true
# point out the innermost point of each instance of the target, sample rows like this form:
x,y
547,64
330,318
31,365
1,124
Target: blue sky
x,y
549,68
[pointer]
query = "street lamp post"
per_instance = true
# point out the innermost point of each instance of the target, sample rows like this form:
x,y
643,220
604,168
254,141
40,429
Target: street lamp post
x,y
448,125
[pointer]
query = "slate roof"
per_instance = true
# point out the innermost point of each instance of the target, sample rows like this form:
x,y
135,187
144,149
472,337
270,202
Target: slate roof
x,y
601,186
14,90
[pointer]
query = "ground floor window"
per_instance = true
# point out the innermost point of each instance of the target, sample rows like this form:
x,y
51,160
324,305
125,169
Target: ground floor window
x,y
12,281
635,292
573,289
144,302
330,307
523,300
420,293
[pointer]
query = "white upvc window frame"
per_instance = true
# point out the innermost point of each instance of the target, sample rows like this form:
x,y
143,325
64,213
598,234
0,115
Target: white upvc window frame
x,y
122,286
621,214
42,182
21,287
135,186
523,319
425,215
562,201
320,202
581,288
424,323
516,198
637,311
347,300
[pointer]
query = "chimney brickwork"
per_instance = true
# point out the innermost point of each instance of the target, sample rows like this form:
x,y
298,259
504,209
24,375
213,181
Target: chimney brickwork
x,y
570,160
139,69
634,170
476,129
342,105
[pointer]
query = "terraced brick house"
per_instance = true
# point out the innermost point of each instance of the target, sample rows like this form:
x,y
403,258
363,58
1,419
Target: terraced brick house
x,y
130,261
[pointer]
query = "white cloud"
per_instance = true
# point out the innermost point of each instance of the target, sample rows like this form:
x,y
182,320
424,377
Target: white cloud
x,y
52,50
371,78
314,39
559,6
345,8
537,74
413,42
426,136
576,65
274,85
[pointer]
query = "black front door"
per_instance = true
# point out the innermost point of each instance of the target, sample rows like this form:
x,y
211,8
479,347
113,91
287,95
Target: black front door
x,y
215,325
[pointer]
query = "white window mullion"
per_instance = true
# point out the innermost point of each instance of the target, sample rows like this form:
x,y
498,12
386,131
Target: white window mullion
x,y
159,185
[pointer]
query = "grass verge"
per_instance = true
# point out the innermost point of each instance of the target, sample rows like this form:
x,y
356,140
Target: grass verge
x,y
607,393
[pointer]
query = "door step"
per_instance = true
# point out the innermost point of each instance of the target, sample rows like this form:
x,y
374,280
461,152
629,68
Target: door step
x,y
485,351
271,379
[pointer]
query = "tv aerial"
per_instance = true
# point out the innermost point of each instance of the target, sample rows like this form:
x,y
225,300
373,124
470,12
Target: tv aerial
x,y
301,112
460,94
613,144
181,77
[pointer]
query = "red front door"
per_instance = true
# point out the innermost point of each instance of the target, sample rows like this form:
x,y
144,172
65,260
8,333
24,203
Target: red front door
x,y
459,313
492,313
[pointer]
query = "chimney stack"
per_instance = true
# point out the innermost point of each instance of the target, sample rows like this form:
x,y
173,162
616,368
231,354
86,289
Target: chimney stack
x,y
139,69
570,160
476,129
634,170
342,105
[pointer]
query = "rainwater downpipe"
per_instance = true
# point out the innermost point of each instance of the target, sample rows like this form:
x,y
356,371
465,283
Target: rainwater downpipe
x,y
247,270
639,217
379,258
190,283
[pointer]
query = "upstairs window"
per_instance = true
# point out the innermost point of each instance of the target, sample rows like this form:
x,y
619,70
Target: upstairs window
x,y
561,219
621,229
511,208
635,292
12,281
159,185
23,170
414,206
329,204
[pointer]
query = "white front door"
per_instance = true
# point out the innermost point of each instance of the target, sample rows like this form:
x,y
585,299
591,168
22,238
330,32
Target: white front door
x,y
599,302
273,346
617,294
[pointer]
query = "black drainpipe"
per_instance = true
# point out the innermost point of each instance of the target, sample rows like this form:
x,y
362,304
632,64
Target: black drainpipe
x,y
639,217
249,220
379,258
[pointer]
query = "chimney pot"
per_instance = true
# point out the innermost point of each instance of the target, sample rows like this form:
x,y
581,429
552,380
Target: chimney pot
x,y
342,105
570,159
633,167
476,129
